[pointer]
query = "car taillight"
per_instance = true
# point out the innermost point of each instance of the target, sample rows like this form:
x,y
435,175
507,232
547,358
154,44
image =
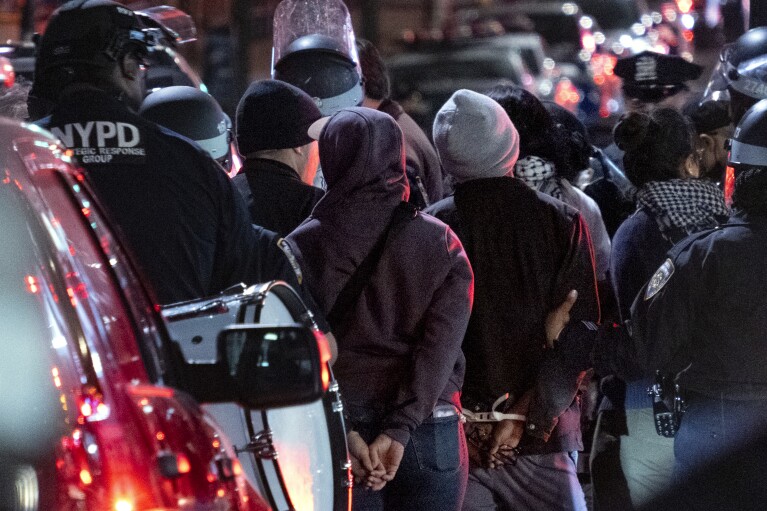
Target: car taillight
x,y
7,73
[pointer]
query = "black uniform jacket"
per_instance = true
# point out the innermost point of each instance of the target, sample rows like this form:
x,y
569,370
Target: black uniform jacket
x,y
172,205
706,308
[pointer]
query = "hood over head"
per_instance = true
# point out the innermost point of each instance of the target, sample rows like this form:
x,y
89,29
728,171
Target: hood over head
x,y
363,160
361,150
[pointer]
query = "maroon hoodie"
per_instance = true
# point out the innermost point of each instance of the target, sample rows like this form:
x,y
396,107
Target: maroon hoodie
x,y
401,353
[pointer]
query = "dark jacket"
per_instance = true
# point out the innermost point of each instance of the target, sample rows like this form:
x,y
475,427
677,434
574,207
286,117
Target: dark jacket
x,y
637,251
639,248
420,156
528,250
400,354
276,197
172,205
710,312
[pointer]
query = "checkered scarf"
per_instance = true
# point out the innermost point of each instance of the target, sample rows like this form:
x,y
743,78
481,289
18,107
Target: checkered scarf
x,y
539,174
689,205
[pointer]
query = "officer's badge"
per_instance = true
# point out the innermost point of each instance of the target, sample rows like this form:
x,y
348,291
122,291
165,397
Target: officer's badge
x,y
660,278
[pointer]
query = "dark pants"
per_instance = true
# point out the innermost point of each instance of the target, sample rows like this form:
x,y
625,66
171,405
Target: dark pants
x,y
432,475
713,428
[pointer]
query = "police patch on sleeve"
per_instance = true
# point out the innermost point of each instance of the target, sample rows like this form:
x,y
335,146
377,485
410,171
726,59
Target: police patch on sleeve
x,y
660,278
291,259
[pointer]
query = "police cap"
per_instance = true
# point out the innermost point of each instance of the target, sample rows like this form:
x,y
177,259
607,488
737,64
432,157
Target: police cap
x,y
651,77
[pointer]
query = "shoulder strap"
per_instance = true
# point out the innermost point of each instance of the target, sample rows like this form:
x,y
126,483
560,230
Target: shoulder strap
x,y
351,292
240,181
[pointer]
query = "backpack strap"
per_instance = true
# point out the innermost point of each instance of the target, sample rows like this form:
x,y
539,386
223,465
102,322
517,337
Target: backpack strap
x,y
351,292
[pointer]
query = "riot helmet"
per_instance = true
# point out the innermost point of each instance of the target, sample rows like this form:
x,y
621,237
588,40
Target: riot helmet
x,y
749,142
741,74
194,114
85,38
314,49
747,167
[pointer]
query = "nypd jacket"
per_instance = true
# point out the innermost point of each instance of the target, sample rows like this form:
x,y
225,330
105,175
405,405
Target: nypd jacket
x,y
173,206
401,353
706,308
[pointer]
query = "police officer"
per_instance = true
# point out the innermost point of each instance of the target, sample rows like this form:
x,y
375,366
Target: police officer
x,y
703,316
741,75
176,211
651,80
195,114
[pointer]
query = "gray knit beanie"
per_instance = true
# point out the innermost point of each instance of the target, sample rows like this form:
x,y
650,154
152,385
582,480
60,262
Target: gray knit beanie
x,y
475,138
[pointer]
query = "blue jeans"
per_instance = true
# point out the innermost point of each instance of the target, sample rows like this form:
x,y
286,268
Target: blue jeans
x,y
431,476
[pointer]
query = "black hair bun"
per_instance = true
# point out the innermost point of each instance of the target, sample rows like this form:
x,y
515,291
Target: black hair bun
x,y
631,131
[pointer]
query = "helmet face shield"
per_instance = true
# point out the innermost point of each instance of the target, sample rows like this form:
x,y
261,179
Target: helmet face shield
x,y
742,67
314,49
748,77
327,19
716,89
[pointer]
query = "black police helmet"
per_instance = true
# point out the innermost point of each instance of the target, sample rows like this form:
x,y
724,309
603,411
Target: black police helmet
x,y
749,142
745,64
318,66
92,32
194,114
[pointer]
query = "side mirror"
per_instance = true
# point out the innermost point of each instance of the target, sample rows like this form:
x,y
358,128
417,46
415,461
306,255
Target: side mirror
x,y
272,366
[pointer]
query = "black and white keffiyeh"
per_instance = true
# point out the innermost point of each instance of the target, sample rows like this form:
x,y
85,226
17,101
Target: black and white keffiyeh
x,y
689,205
539,174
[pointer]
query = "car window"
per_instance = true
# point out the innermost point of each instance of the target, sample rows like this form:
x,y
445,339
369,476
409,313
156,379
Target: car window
x,y
43,368
611,14
556,28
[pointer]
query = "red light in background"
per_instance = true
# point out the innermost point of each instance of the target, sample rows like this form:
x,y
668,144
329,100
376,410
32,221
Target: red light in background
x,y
182,463
237,468
567,95
8,75
160,436
150,391
688,35
729,185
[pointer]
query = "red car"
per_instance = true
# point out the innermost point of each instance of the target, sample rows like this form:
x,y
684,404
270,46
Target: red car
x,y
90,414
